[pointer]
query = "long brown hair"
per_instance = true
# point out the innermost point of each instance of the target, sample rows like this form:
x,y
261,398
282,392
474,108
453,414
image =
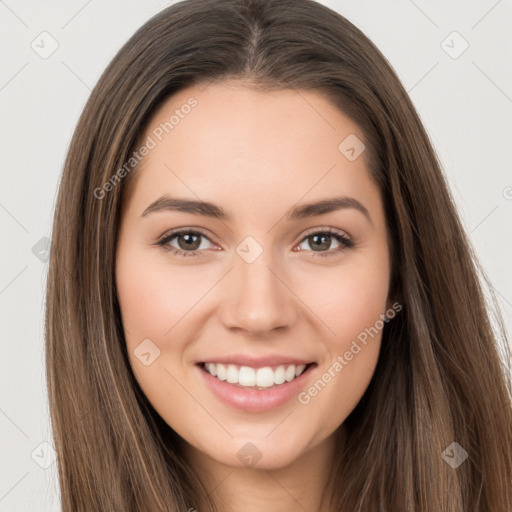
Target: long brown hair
x,y
439,379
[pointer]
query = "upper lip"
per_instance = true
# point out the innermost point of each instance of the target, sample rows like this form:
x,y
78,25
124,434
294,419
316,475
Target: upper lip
x,y
256,362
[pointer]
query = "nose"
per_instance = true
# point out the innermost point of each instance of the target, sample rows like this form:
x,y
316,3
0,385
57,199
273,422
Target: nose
x,y
257,298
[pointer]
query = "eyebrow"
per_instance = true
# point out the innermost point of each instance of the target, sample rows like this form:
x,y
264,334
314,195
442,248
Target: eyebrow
x,y
208,209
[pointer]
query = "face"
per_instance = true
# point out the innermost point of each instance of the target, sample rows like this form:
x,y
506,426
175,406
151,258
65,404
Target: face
x,y
283,302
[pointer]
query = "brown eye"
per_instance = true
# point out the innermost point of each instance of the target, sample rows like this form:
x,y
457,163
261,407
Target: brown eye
x,y
320,243
188,242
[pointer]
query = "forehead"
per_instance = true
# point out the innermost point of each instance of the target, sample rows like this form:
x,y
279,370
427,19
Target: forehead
x,y
250,147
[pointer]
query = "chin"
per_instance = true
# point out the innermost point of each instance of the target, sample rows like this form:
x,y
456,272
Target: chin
x,y
259,453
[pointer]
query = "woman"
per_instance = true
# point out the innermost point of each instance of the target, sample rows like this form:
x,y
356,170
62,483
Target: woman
x,y
260,293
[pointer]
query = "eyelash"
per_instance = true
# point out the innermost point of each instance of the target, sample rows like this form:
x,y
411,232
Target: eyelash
x,y
346,243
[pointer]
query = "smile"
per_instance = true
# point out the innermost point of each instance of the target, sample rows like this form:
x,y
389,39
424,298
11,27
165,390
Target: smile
x,y
254,389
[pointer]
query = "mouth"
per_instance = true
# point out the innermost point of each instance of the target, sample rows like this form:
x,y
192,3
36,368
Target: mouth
x,y
255,390
263,378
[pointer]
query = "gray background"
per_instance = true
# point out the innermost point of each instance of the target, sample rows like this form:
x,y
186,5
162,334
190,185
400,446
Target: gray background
x,y
464,99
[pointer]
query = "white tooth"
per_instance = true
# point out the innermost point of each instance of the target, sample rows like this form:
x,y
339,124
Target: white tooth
x,y
247,376
232,374
250,377
265,377
299,369
279,375
290,373
221,372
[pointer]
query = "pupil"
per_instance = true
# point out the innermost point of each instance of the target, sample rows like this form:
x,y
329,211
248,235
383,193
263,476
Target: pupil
x,y
324,243
189,238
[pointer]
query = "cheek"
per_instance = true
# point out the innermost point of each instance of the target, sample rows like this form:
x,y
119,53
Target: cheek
x,y
154,297
350,300
351,304
157,302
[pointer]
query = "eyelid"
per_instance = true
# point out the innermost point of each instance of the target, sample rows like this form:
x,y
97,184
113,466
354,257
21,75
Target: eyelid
x,y
327,229
186,229
347,240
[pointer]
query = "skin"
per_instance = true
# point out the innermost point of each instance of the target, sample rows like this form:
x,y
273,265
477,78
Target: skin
x,y
256,154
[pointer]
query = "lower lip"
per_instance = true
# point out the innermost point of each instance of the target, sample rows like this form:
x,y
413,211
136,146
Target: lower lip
x,y
254,400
